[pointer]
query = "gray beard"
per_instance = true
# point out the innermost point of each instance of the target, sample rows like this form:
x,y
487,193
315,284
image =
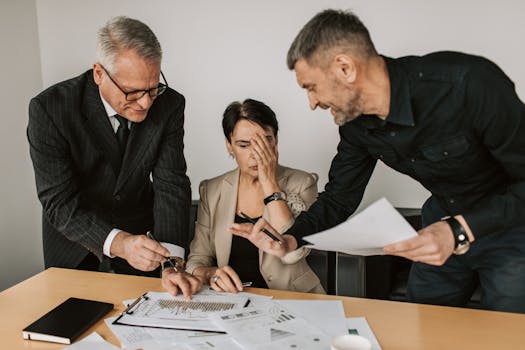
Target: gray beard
x,y
350,114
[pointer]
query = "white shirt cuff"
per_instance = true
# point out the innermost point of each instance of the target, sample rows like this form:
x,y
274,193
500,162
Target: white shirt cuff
x,y
174,249
108,241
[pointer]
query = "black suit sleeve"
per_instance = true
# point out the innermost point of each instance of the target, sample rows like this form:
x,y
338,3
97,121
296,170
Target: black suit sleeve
x,y
349,174
171,186
57,188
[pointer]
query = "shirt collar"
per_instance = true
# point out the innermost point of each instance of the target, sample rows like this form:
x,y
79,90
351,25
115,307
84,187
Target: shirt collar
x,y
400,105
400,111
109,110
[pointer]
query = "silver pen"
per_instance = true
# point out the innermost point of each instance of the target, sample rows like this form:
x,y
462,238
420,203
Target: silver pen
x,y
150,235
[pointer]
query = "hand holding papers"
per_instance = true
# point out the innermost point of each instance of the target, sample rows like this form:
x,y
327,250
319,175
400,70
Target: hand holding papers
x,y
365,233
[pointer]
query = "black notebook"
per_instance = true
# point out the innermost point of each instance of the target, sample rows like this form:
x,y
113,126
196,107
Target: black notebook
x,y
67,321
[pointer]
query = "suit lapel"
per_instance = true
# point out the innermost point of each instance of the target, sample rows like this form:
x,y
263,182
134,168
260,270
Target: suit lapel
x,y
98,125
225,215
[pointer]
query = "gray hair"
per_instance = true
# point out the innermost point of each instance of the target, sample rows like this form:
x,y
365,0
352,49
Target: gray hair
x,y
328,30
123,33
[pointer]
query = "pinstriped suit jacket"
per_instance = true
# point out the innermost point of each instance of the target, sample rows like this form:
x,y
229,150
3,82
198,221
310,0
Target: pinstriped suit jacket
x,y
76,160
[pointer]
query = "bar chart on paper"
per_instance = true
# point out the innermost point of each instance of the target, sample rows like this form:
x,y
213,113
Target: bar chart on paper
x,y
162,310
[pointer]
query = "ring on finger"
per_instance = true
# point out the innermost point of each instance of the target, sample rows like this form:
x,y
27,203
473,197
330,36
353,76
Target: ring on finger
x,y
215,278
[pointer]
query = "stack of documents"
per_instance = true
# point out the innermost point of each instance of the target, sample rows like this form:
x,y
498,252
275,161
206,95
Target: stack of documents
x,y
264,324
365,233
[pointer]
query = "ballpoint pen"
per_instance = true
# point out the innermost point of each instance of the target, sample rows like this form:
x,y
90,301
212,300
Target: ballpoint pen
x,y
268,233
150,235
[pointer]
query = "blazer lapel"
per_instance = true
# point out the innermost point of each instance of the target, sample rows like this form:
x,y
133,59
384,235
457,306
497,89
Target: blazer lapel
x,y
225,216
98,125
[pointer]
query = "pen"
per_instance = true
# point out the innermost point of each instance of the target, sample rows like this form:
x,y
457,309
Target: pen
x,y
133,304
268,233
150,235
244,284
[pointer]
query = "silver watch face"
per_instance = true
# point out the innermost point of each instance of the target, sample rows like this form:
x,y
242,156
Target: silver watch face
x,y
462,248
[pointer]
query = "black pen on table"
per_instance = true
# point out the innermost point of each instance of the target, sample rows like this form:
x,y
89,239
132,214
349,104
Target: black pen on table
x,y
268,233
150,235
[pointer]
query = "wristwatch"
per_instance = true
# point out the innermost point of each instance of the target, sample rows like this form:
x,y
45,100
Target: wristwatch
x,y
460,235
174,262
276,196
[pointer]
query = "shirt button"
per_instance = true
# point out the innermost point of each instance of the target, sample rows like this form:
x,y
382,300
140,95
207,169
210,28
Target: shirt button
x,y
117,197
392,133
451,201
412,160
381,156
445,153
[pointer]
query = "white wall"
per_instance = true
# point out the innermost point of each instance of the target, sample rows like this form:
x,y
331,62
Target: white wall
x,y
20,239
220,51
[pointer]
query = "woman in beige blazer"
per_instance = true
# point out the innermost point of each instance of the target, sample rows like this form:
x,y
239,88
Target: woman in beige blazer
x,y
257,187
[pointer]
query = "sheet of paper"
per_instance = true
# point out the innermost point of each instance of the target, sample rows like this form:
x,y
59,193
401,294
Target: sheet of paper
x,y
92,342
146,338
365,233
328,315
163,310
271,327
359,325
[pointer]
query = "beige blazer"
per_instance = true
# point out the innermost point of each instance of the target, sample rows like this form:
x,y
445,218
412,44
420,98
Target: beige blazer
x,y
211,245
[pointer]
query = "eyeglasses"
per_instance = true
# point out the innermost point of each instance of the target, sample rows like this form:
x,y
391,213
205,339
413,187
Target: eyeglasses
x,y
137,94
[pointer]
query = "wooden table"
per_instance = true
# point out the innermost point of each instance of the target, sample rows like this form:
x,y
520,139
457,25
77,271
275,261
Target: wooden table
x,y
396,325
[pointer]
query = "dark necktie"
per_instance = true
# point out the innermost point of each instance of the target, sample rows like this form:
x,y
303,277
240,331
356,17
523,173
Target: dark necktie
x,y
122,133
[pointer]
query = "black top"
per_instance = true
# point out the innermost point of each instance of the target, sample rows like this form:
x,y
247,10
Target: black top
x,y
456,125
244,259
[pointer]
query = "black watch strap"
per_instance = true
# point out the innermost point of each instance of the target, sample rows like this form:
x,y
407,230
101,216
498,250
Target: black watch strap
x,y
460,235
275,197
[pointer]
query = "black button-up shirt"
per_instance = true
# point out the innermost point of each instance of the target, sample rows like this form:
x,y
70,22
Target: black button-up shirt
x,y
456,125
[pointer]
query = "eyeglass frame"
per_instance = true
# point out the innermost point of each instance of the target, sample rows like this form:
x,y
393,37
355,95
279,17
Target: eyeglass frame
x,y
161,88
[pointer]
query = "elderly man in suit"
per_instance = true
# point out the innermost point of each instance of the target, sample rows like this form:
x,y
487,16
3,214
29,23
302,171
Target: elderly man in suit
x,y
107,150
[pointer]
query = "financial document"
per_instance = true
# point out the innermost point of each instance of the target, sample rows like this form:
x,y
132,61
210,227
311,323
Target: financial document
x,y
272,327
162,310
365,233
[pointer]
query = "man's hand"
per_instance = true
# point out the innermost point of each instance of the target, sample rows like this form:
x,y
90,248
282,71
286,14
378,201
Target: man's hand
x,y
173,280
254,234
225,279
139,251
433,245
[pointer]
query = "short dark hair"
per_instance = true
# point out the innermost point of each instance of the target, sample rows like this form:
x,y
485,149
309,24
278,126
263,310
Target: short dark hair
x,y
327,30
249,109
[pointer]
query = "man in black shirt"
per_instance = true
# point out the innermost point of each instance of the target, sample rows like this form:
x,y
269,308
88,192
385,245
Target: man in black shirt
x,y
449,120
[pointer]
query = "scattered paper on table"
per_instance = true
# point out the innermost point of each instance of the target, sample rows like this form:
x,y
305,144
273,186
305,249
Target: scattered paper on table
x,y
328,315
360,326
162,310
365,233
273,327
